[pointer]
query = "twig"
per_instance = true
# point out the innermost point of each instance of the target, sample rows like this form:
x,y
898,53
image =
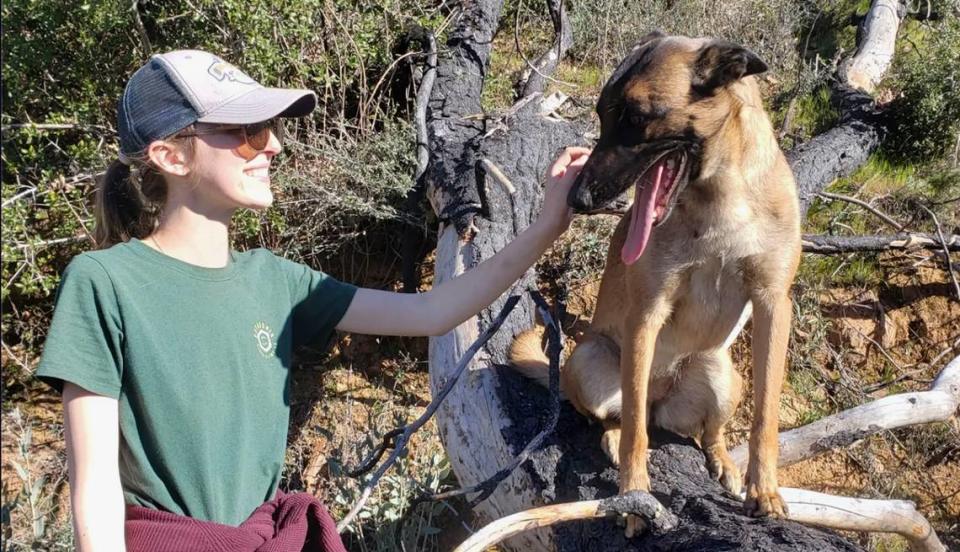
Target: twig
x,y
58,241
148,48
494,171
638,503
896,225
946,251
28,191
401,436
10,352
54,126
486,488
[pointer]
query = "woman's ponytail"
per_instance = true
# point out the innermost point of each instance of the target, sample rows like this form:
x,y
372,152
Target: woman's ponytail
x,y
128,203
131,195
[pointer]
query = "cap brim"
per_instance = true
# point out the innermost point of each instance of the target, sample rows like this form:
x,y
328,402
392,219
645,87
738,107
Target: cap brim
x,y
262,104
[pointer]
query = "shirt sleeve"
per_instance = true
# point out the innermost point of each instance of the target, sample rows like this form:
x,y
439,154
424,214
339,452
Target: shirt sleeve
x,y
84,344
319,302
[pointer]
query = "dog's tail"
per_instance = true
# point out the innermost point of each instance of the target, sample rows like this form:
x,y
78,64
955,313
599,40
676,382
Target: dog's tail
x,y
528,358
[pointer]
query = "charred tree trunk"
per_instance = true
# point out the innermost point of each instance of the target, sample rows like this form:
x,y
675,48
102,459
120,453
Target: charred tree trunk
x,y
489,417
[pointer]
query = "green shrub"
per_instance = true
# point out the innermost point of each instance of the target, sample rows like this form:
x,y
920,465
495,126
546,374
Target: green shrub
x,y
926,112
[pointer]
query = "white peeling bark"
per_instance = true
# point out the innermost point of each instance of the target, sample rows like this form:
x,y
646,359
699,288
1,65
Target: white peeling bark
x,y
849,426
470,420
875,52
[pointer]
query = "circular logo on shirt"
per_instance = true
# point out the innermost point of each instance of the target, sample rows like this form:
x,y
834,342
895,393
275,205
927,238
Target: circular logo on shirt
x,y
264,336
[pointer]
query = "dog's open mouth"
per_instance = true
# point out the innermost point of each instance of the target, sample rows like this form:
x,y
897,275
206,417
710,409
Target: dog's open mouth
x,y
655,196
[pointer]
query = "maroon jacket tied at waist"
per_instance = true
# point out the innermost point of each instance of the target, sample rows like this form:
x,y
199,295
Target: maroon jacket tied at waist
x,y
288,523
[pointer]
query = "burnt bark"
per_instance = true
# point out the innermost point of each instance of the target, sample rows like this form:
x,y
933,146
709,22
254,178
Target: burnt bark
x,y
840,151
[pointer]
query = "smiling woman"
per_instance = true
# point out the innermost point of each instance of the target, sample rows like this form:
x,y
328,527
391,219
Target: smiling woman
x,y
173,351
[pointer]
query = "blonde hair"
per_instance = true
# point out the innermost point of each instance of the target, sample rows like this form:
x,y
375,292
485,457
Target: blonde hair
x,y
131,195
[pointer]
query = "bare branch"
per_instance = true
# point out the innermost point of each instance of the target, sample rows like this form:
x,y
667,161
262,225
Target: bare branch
x,y
860,514
534,78
144,39
849,426
830,245
54,126
638,503
875,52
28,191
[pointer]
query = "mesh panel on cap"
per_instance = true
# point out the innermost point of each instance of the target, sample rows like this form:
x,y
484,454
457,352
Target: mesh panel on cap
x,y
151,108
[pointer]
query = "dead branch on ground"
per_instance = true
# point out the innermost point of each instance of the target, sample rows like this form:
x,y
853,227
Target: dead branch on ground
x,y
639,503
939,403
831,245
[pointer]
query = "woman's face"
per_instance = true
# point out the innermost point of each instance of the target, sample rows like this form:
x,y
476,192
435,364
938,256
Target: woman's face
x,y
225,179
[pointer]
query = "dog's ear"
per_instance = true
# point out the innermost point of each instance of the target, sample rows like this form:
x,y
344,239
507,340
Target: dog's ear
x,y
721,63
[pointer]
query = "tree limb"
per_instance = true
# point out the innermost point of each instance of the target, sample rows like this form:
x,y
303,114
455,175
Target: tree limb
x,y
831,245
866,67
638,503
414,234
861,514
884,217
842,429
534,78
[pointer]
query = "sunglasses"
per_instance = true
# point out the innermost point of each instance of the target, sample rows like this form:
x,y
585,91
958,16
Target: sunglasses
x,y
256,136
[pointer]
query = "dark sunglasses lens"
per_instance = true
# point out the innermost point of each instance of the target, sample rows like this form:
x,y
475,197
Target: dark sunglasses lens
x,y
258,135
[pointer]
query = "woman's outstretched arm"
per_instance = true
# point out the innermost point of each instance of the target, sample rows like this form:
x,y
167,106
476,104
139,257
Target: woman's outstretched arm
x,y
441,309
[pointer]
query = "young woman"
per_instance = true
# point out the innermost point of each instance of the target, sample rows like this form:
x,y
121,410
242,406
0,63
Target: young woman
x,y
172,351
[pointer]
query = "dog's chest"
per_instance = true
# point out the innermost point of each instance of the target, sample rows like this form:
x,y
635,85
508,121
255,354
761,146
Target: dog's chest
x,y
707,307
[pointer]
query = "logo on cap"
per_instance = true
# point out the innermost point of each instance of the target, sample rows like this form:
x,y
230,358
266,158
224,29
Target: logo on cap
x,y
221,70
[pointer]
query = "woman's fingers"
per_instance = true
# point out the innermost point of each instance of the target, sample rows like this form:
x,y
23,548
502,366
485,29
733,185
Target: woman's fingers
x,y
567,157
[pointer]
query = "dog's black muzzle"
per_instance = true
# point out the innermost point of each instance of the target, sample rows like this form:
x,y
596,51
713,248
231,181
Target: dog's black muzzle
x,y
613,169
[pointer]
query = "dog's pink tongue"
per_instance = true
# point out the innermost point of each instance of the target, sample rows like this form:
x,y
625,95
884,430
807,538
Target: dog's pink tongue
x,y
644,213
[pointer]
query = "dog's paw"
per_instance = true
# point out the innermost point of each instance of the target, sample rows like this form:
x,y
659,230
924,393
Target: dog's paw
x,y
636,526
610,443
723,469
764,504
641,482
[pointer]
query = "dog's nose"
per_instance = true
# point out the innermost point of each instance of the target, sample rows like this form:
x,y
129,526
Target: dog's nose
x,y
580,199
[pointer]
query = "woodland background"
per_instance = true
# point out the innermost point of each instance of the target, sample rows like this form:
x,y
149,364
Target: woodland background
x,y
865,325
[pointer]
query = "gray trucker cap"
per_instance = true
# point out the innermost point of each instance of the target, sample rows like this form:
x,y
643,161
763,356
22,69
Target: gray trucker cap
x,y
179,88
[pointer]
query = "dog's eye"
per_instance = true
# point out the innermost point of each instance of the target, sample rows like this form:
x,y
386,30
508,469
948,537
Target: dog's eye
x,y
637,119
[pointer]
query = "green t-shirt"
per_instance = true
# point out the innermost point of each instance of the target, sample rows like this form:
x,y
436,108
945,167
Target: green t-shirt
x,y
198,359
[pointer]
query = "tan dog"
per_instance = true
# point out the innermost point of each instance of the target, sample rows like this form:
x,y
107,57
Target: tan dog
x,y
714,228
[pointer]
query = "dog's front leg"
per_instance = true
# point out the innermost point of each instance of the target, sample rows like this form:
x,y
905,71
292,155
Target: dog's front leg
x,y
771,330
640,336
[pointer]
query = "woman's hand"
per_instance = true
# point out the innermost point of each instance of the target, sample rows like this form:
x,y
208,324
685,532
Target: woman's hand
x,y
561,175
